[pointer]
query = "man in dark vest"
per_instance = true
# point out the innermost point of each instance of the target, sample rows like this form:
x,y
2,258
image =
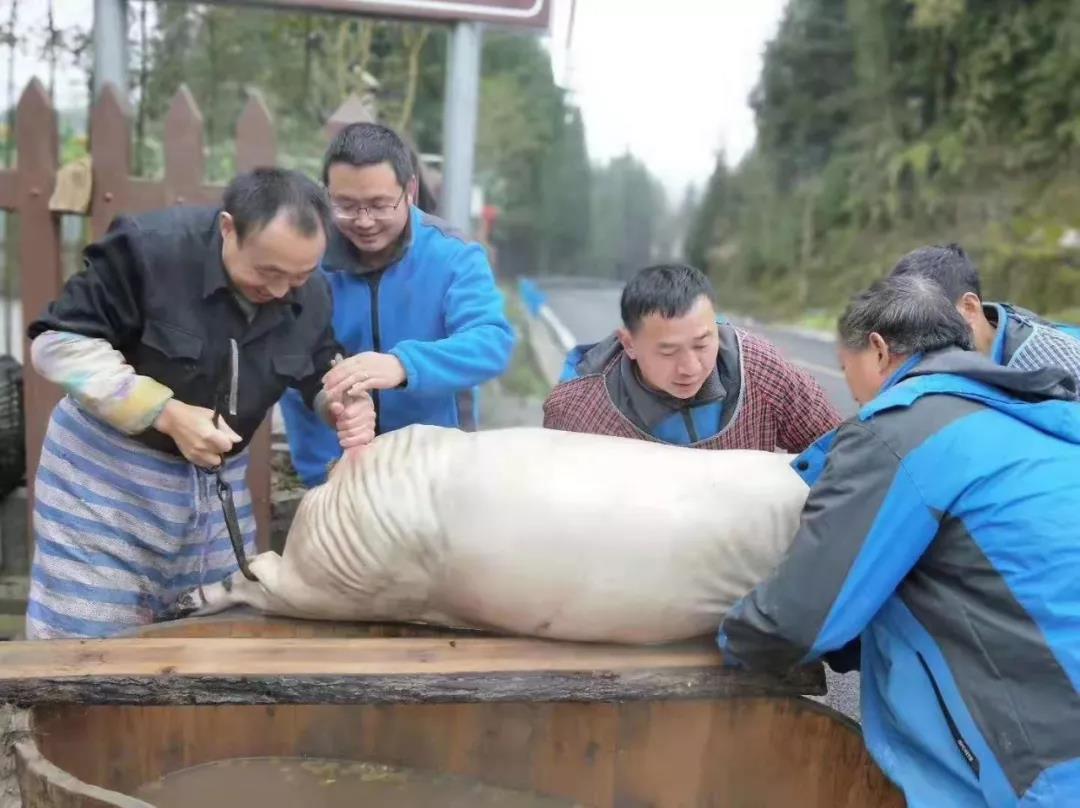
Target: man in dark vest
x,y
676,373
172,344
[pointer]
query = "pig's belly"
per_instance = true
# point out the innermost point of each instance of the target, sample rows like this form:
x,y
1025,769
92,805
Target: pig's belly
x,y
606,541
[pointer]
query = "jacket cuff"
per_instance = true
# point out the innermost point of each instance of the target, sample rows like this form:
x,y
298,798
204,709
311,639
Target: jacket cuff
x,y
134,410
412,372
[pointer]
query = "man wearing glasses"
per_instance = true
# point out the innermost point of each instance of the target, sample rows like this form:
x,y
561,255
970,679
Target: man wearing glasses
x,y
415,304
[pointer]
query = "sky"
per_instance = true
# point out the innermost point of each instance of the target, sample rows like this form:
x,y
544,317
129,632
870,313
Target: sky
x,y
33,16
667,81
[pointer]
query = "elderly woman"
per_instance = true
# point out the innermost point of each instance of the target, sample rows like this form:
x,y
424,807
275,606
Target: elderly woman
x,y
943,531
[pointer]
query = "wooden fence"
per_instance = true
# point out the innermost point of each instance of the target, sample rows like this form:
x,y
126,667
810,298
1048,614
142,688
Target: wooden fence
x,y
25,190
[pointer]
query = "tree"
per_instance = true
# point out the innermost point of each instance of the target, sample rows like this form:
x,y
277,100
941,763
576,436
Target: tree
x,y
712,216
531,159
803,101
628,212
883,124
565,208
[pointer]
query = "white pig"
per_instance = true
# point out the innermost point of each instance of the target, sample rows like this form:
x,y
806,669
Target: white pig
x,y
531,532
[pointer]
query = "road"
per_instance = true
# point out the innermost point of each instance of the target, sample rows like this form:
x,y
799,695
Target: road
x,y
590,311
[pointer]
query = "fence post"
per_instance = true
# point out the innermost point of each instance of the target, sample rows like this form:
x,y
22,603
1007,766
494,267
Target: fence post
x,y
37,147
110,151
185,161
256,145
353,109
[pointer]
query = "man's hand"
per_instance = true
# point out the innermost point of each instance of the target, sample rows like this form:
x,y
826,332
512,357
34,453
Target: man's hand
x,y
363,372
354,421
193,429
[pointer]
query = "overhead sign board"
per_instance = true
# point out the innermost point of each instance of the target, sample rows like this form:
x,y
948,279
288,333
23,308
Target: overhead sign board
x,y
528,13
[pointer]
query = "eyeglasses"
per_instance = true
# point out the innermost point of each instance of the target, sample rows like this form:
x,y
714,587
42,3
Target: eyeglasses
x,y
352,211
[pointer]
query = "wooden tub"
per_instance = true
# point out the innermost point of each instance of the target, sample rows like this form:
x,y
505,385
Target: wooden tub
x,y
601,725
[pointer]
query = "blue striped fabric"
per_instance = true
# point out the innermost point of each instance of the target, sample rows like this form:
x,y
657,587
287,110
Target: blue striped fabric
x,y
121,530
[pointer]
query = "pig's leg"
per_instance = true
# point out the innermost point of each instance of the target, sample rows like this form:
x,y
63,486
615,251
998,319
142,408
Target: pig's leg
x,y
236,590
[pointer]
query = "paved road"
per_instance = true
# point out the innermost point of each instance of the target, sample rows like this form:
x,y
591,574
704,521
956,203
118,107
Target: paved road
x,y
591,312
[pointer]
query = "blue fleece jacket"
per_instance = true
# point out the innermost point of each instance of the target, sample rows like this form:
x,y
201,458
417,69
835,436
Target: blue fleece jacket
x,y
437,309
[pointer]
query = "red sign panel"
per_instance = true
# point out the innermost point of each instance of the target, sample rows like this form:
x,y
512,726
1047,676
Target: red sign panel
x,y
530,13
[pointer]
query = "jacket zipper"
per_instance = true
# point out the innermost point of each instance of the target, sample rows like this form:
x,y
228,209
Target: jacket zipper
x,y
373,281
961,744
688,420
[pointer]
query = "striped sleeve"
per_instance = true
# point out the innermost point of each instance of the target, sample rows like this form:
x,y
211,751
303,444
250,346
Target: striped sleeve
x,y
96,375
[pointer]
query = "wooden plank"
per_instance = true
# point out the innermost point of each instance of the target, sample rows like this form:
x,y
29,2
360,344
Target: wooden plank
x,y
110,149
372,671
37,144
9,193
185,160
353,109
256,143
243,621
145,195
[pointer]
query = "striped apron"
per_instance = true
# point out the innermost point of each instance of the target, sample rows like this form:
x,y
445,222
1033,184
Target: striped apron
x,y
121,530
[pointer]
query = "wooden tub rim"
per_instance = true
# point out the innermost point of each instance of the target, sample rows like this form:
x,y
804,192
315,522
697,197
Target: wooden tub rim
x,y
31,765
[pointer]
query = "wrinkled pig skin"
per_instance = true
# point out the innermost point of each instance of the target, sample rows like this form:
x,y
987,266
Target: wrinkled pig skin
x,y
530,532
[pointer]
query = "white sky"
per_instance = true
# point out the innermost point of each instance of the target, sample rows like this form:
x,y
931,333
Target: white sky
x,y
33,17
667,81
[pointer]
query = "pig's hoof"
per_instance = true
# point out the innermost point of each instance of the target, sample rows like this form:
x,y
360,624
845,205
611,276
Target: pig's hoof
x,y
186,605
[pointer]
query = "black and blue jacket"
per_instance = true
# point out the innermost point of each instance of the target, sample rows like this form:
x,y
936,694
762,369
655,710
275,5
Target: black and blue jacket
x,y
943,527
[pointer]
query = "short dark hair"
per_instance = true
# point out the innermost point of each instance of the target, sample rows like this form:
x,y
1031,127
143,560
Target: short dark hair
x,y
948,265
669,290
368,144
255,198
910,312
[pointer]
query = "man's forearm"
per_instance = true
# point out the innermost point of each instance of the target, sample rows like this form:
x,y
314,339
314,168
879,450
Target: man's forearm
x,y
96,375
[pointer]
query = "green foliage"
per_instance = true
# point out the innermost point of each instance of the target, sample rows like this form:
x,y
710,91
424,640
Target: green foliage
x,y
305,65
708,226
531,157
628,218
886,124
523,378
532,161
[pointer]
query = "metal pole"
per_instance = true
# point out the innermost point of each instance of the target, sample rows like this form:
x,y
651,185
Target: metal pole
x,y
110,45
459,122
